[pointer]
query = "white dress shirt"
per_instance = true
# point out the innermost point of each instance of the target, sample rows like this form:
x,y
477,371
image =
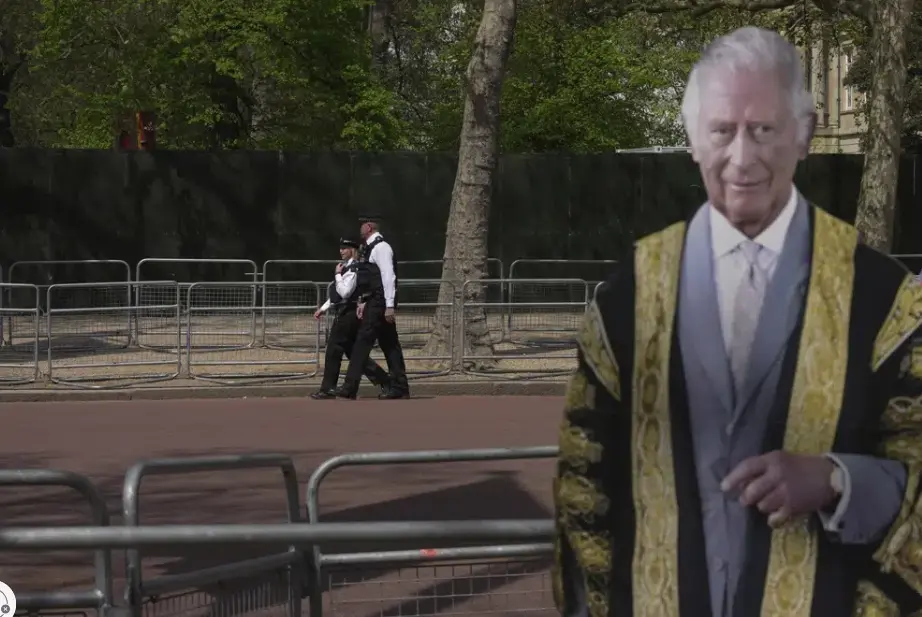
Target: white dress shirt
x,y
382,255
729,264
345,284
729,269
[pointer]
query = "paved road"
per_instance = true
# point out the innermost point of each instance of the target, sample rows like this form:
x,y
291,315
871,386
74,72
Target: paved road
x,y
102,439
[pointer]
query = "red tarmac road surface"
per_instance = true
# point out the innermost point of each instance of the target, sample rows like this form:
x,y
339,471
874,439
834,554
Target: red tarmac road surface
x,y
102,439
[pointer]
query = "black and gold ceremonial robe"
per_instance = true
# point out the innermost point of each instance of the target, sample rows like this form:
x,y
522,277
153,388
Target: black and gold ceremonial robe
x,y
627,504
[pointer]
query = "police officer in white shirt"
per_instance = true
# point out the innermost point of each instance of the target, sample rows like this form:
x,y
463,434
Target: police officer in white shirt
x,y
377,310
348,285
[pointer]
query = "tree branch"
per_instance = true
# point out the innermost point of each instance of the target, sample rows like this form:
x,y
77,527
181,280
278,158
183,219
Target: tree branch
x,y
699,8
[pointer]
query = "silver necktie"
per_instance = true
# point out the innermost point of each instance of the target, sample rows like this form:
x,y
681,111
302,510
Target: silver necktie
x,y
746,310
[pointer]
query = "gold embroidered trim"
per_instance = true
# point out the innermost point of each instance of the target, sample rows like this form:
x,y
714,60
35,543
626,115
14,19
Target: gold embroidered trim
x,y
915,363
594,551
597,352
580,393
901,549
577,449
579,498
904,319
872,602
655,566
816,401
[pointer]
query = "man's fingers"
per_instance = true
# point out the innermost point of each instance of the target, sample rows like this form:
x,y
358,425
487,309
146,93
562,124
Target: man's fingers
x,y
744,473
772,502
779,518
758,489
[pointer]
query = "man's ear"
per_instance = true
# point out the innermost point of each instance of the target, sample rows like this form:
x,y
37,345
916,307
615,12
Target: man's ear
x,y
691,142
808,138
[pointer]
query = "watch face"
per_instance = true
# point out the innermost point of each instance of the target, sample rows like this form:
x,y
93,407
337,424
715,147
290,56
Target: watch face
x,y
837,481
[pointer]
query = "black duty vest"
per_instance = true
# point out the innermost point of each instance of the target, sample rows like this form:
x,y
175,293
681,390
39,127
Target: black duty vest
x,y
340,303
373,285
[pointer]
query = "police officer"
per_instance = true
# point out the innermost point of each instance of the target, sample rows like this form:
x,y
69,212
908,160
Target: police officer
x,y
377,311
344,295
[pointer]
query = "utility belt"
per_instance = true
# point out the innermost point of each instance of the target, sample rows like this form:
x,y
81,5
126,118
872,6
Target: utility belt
x,y
345,306
372,295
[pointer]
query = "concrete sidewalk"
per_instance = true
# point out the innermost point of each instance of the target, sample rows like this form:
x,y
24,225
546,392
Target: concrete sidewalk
x,y
195,389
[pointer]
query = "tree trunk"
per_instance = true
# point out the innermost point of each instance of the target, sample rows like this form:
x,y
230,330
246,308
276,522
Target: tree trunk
x,y
877,198
465,256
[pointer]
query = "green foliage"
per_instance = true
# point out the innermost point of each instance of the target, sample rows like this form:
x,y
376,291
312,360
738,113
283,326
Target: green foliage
x,y
218,73
289,74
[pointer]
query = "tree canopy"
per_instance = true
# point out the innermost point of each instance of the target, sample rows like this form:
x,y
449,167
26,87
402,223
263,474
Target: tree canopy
x,y
283,74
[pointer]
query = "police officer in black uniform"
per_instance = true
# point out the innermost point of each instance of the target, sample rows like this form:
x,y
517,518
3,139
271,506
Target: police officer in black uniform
x,y
377,311
352,280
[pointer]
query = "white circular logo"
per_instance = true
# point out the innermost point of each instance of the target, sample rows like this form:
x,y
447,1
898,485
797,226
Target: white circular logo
x,y
7,601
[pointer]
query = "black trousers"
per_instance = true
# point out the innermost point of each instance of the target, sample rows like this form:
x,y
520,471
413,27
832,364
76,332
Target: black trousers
x,y
373,328
341,341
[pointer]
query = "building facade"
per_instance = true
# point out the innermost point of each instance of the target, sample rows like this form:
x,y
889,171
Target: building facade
x,y
839,127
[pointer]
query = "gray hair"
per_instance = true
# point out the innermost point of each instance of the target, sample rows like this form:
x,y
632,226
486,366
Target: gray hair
x,y
758,49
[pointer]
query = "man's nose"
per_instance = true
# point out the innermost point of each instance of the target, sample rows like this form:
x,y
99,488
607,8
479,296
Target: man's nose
x,y
743,150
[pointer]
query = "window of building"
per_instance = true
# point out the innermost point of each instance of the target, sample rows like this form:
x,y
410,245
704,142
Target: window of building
x,y
848,98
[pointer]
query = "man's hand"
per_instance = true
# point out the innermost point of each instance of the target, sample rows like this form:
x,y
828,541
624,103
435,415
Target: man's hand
x,y
783,485
339,268
389,315
318,314
360,310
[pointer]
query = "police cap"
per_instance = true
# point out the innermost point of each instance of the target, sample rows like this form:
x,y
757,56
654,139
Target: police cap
x,y
347,243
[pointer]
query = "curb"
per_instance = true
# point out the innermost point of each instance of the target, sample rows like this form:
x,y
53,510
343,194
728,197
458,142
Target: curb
x,y
445,388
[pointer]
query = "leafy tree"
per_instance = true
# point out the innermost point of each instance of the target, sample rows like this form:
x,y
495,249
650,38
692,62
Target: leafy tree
x,y
218,73
858,35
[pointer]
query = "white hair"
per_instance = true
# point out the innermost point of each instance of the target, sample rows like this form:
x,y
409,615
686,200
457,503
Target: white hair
x,y
752,49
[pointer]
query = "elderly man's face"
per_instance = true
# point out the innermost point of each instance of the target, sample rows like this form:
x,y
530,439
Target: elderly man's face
x,y
746,146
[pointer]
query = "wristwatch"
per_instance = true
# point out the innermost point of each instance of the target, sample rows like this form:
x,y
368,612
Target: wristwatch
x,y
837,480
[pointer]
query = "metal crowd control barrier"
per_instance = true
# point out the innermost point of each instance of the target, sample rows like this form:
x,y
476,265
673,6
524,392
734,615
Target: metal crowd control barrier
x,y
100,596
327,265
19,354
222,331
299,534
553,262
250,272
47,275
91,344
495,268
410,458
291,561
539,328
288,322
595,292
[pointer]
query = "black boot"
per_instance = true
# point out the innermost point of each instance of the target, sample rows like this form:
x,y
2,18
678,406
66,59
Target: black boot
x,y
346,393
393,393
322,395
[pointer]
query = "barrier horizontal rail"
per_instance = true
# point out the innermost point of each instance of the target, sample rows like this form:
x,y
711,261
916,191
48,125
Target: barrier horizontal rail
x,y
301,534
497,551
